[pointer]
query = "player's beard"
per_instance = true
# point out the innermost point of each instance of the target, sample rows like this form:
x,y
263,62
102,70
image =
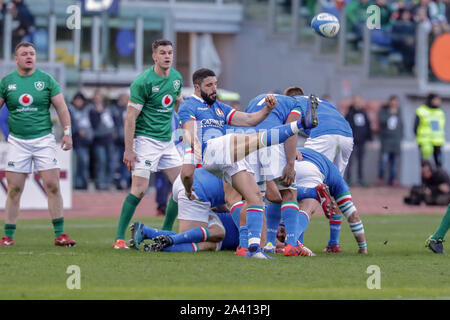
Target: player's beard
x,y
207,98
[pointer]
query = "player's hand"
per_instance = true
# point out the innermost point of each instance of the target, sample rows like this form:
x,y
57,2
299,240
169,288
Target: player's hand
x,y
299,156
271,101
129,157
66,143
288,176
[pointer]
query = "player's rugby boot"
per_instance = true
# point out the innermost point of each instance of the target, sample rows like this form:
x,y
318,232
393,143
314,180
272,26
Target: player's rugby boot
x,y
64,241
137,236
241,251
255,252
324,198
163,241
269,248
310,120
335,248
435,245
7,241
120,244
298,250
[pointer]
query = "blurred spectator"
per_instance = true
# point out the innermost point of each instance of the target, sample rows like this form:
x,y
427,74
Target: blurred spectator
x,y
436,10
385,13
103,147
403,37
421,15
121,173
429,128
356,12
22,14
391,134
362,132
2,19
435,188
83,136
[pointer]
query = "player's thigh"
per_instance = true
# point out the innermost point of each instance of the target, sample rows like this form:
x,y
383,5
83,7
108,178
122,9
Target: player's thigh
x,y
148,152
172,173
186,225
310,206
170,162
245,184
50,179
345,151
16,182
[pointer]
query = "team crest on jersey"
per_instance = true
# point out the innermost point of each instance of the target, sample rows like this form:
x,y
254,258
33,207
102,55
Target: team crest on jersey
x,y
39,85
26,99
12,87
167,100
219,112
176,84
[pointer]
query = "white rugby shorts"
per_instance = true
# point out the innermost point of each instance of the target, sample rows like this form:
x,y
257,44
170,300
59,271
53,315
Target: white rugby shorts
x,y
307,174
193,210
155,155
217,159
335,147
23,153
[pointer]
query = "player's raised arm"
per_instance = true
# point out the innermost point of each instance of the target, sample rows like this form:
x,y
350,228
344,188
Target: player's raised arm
x,y
129,156
244,119
64,117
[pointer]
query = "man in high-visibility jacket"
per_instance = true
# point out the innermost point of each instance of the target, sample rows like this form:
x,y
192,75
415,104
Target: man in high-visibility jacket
x,y
429,127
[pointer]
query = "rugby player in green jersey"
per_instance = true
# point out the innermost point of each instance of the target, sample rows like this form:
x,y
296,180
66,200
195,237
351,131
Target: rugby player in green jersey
x,y
28,93
148,134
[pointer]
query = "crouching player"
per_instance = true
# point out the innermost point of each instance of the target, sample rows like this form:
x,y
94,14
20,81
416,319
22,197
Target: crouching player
x,y
313,173
199,227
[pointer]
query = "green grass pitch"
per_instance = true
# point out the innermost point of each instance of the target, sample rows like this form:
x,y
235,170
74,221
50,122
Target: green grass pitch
x,y
35,269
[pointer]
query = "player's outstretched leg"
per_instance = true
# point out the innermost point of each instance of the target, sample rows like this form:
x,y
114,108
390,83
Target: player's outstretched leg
x,y
434,242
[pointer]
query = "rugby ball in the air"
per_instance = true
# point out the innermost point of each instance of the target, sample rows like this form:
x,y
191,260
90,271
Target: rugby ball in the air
x,y
325,24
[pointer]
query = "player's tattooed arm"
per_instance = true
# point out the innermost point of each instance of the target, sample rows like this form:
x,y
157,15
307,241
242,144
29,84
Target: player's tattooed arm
x,y
187,178
244,119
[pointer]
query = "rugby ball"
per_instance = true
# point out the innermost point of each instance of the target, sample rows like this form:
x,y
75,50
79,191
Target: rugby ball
x,y
325,25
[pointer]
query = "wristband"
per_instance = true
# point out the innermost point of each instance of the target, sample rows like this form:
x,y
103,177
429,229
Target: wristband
x,y
68,131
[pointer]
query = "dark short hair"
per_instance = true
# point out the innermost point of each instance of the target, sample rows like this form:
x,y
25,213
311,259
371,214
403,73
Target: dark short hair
x,y
159,43
24,44
293,91
201,74
430,98
426,163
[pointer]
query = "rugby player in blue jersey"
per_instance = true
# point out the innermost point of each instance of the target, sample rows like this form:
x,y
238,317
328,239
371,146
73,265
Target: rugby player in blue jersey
x,y
204,119
315,169
333,137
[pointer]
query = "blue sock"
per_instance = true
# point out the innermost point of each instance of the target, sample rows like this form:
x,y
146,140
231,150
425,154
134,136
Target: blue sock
x,y
243,237
303,221
301,238
182,247
306,193
279,134
273,217
335,229
236,213
193,235
289,213
254,224
151,233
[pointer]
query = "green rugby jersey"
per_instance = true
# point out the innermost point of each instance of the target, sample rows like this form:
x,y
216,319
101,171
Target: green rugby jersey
x,y
28,102
156,96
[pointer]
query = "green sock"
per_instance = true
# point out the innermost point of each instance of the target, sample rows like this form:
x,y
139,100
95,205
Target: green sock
x,y
443,227
171,215
10,229
58,226
128,208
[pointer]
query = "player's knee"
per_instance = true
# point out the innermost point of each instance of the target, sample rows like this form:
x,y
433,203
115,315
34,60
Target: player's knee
x,y
51,187
216,233
354,217
14,192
